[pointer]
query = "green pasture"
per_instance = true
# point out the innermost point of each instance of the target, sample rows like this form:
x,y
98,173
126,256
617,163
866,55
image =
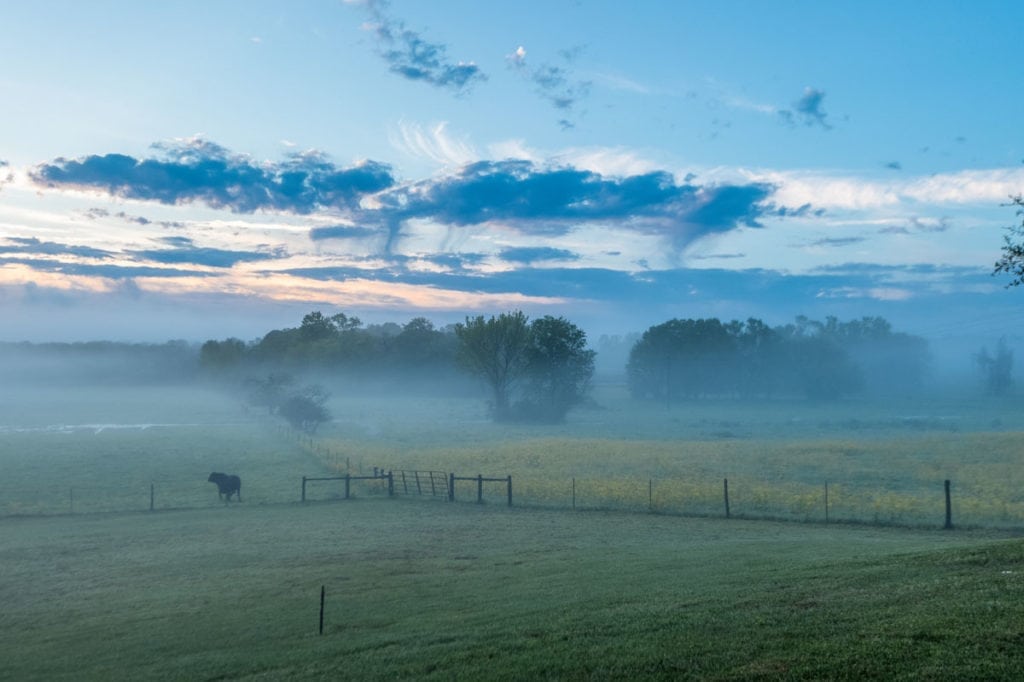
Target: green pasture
x,y
79,451
422,589
429,590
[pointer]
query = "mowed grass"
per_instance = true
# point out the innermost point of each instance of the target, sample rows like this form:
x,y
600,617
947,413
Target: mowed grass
x,y
432,590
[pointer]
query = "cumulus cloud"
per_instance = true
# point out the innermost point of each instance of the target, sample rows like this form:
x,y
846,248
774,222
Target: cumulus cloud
x,y
409,55
553,201
534,199
197,170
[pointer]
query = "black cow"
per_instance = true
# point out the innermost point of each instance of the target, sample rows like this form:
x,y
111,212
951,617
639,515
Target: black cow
x,y
227,485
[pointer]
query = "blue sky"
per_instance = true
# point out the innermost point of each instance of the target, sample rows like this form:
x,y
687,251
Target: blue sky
x,y
202,170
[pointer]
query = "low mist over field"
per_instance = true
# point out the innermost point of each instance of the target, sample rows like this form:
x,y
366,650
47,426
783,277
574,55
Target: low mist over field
x,y
381,339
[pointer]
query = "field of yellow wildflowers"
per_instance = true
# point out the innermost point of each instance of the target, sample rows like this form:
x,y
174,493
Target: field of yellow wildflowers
x,y
853,463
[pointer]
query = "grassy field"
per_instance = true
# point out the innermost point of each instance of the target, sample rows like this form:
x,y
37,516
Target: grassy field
x,y
882,462
422,589
429,590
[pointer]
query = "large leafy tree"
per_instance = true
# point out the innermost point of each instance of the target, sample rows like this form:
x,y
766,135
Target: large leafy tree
x,y
559,367
996,369
536,371
495,349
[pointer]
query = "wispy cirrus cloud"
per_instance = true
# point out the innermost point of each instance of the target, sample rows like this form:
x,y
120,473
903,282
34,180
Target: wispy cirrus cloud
x,y
411,56
435,143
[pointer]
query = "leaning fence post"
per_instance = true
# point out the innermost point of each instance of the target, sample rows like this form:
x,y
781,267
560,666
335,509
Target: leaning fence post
x,y
303,488
451,487
726,491
510,490
479,489
949,508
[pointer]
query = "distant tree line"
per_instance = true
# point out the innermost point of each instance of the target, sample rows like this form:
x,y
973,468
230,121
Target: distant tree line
x,y
695,358
534,370
410,352
98,363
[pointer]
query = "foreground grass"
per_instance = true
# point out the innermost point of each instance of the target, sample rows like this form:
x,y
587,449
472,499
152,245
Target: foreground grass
x,y
422,590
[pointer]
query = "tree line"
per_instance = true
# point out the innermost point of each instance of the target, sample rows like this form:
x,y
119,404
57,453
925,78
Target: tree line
x,y
695,358
538,370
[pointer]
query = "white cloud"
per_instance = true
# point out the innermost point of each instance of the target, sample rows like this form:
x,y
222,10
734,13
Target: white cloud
x,y
834,191
435,143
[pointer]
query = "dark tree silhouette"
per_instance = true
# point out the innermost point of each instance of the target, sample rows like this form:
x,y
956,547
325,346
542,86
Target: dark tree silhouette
x,y
1012,260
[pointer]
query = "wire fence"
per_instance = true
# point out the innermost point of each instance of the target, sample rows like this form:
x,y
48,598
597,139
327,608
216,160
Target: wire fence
x,y
734,497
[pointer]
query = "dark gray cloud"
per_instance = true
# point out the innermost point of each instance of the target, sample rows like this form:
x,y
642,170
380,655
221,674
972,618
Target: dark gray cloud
x,y
838,241
554,201
720,256
184,251
917,224
201,171
343,232
456,261
105,271
535,200
409,55
553,82
808,110
533,254
31,245
97,213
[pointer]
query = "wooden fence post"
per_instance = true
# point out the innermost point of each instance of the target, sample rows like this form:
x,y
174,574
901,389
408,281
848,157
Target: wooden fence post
x,y
451,487
949,509
303,488
650,494
348,483
479,489
826,501
152,492
323,593
574,492
510,490
726,489
71,499
391,484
